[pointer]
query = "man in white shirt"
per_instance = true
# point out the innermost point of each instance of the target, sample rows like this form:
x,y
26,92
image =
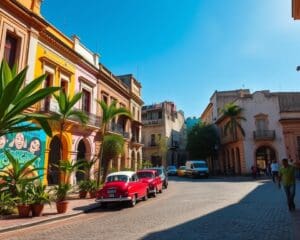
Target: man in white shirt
x,y
275,170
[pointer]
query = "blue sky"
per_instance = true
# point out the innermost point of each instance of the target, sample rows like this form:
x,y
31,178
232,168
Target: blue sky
x,y
183,51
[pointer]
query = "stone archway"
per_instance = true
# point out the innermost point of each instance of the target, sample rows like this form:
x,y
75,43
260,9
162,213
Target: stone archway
x,y
53,175
263,156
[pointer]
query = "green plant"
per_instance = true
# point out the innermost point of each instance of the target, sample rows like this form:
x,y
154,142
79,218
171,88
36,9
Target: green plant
x,y
93,186
24,196
84,185
7,203
66,111
14,99
146,164
38,193
16,174
61,191
113,146
109,112
67,168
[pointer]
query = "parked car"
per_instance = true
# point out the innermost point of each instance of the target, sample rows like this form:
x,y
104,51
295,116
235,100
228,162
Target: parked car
x,y
172,170
181,171
122,186
196,168
163,175
151,177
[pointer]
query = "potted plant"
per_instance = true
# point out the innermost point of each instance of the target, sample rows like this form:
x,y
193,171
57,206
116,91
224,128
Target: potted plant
x,y
84,187
23,199
39,197
61,192
93,187
7,203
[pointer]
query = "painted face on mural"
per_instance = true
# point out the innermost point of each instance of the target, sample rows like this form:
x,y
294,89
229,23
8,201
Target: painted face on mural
x,y
34,146
19,141
3,141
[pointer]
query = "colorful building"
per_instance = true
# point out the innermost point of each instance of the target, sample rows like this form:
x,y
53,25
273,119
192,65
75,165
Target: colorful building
x,y
271,129
164,134
28,39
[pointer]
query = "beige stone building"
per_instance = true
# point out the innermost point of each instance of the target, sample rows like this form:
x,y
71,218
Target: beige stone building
x,y
164,134
271,129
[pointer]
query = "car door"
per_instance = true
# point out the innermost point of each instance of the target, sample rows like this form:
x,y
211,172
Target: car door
x,y
158,181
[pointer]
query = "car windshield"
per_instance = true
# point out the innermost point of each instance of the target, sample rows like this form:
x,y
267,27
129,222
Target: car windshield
x,y
182,168
200,165
159,170
145,174
117,178
171,167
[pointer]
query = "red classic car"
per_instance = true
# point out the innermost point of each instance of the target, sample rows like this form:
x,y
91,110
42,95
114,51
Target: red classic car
x,y
122,187
153,180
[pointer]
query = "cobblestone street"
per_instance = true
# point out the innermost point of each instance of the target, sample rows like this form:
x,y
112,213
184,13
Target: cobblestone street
x,y
188,209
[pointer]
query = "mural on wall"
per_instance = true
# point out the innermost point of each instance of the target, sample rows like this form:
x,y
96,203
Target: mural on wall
x,y
24,146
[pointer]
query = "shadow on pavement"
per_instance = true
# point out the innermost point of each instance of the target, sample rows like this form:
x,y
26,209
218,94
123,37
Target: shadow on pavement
x,y
262,214
218,179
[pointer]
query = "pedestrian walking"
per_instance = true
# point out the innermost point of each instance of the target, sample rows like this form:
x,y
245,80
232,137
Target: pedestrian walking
x,y
274,170
288,179
254,171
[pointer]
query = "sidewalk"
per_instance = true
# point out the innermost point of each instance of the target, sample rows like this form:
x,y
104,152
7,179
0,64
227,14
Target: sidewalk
x,y
76,206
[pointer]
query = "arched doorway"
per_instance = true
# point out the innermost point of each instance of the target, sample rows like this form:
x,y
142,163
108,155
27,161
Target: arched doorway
x,y
81,156
263,156
54,157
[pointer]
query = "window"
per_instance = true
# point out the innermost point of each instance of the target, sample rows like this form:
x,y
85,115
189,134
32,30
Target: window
x,y
160,115
86,101
152,140
133,112
261,124
105,98
48,83
10,49
64,86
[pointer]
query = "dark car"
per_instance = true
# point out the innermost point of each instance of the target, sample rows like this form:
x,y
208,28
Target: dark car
x,y
163,175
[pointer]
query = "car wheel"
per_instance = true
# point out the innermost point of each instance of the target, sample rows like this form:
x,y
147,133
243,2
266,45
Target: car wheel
x,y
166,185
160,190
145,198
133,201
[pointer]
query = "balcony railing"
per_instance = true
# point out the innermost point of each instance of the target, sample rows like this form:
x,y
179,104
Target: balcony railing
x,y
136,139
116,128
152,122
264,135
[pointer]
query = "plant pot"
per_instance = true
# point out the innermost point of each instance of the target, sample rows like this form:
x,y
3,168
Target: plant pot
x,y
37,209
24,210
62,206
82,194
92,194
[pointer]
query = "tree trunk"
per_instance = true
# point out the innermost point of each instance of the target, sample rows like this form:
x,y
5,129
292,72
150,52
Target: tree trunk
x,y
100,155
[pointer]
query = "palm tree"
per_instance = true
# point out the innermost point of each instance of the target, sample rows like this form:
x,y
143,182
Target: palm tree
x,y
14,99
233,112
66,111
113,146
109,112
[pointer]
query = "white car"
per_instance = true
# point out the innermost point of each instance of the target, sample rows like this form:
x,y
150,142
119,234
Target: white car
x,y
196,168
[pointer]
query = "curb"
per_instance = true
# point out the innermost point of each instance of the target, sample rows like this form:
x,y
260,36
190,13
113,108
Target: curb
x,y
59,217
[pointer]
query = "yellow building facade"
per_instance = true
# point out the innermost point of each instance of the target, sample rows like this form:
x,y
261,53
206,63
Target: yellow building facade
x,y
26,38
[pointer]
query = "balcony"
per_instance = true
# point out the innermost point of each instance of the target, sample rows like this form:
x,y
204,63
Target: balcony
x,y
152,122
264,135
116,128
